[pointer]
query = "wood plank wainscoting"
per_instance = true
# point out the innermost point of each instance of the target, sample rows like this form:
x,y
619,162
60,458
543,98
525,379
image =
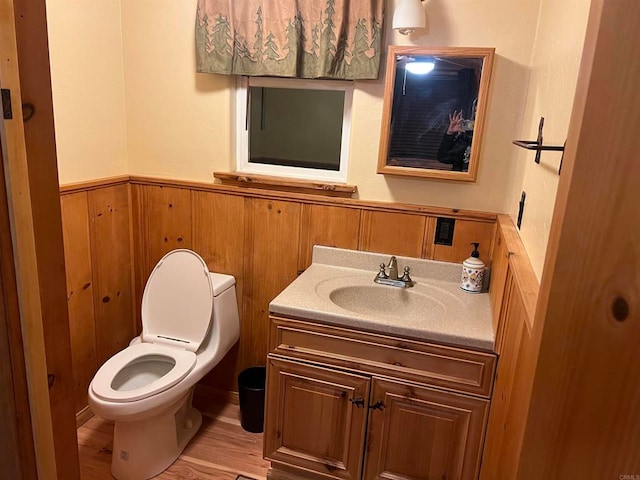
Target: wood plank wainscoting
x,y
117,229
96,222
514,292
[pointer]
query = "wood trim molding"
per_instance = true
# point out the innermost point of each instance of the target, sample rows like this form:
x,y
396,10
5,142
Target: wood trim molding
x,y
520,267
411,209
249,191
83,416
286,184
93,184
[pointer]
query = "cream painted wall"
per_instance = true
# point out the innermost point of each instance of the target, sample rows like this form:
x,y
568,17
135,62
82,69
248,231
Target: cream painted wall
x,y
85,44
508,26
554,70
179,123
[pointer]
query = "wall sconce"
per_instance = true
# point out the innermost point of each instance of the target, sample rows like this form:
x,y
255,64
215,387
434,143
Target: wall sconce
x,y
409,15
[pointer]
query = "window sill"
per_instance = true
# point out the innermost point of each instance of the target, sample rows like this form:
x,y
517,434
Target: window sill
x,y
286,184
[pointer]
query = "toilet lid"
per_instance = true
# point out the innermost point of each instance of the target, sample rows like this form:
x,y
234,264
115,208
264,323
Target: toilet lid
x,y
177,304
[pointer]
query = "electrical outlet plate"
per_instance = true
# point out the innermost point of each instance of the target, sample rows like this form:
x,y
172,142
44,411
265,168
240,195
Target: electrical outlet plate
x,y
444,231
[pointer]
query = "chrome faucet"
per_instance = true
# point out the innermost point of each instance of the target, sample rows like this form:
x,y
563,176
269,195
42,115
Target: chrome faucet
x,y
392,277
393,268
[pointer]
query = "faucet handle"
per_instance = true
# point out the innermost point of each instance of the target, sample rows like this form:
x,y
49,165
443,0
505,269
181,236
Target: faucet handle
x,y
382,273
405,276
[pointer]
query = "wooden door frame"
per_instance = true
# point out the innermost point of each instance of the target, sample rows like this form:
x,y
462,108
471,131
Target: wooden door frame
x,y
18,456
582,413
33,208
32,194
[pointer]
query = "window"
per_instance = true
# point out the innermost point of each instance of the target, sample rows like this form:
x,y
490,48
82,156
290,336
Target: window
x,y
294,128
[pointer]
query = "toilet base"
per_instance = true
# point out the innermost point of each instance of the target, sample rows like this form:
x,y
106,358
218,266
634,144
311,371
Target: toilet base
x,y
144,448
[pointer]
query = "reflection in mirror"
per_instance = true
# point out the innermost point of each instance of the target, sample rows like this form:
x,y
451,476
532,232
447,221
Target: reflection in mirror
x,y
434,109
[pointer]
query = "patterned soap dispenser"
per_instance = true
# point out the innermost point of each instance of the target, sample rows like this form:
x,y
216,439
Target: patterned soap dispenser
x,y
473,272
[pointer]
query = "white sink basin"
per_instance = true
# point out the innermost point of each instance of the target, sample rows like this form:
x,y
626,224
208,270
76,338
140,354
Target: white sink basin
x,y
360,295
390,303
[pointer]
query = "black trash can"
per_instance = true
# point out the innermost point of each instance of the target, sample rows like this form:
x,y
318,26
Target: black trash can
x,y
251,386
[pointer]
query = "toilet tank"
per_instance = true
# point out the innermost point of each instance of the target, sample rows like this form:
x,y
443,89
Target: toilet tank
x,y
225,327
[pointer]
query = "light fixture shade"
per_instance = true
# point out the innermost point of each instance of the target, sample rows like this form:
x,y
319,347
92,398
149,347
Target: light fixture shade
x,y
408,16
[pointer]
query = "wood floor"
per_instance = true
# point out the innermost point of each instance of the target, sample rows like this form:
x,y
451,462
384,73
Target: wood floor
x,y
220,450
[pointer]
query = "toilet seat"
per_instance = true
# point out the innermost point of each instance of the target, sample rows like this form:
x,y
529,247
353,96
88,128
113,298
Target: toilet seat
x,y
177,310
103,382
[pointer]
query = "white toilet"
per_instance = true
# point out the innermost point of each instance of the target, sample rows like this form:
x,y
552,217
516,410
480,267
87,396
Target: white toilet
x,y
189,322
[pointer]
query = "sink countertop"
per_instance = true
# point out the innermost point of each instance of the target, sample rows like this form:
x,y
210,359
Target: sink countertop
x,y
444,316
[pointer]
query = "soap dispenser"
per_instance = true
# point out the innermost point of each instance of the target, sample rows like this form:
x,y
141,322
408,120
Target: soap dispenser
x,y
473,272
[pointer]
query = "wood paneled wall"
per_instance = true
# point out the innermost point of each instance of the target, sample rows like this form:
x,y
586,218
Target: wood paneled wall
x,y
263,238
514,290
97,249
77,252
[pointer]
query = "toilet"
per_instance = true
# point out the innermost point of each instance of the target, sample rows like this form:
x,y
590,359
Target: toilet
x,y
189,322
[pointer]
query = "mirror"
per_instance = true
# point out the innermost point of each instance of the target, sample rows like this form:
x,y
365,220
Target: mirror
x,y
434,109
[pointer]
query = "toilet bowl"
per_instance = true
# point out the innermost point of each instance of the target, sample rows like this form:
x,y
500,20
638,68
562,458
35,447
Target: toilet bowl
x,y
189,322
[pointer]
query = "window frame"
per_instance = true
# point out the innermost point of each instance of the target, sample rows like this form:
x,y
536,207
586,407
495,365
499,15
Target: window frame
x,y
242,128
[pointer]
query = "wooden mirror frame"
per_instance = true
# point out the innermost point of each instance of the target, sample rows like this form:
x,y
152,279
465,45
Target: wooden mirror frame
x,y
486,54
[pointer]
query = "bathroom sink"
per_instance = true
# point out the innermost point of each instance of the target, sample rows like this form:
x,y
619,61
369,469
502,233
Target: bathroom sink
x,y
390,302
338,288
358,294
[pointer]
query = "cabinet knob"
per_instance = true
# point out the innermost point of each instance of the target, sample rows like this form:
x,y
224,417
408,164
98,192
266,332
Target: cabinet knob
x,y
358,402
377,406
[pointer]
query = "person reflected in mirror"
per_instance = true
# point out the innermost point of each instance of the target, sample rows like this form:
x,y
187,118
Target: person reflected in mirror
x,y
455,148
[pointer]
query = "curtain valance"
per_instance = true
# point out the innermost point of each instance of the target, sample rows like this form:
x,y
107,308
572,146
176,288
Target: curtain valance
x,y
290,38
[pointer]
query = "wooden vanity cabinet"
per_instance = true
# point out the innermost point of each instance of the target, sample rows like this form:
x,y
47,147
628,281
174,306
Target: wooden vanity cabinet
x,y
421,433
340,415
316,418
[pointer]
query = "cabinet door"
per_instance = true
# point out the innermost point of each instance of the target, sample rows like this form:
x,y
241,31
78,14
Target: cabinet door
x,y
316,418
420,433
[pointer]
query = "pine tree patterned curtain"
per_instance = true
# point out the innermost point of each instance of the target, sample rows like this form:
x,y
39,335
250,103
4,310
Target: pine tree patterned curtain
x,y
338,39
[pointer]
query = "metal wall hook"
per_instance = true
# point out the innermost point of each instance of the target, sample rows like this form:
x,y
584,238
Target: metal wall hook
x,y
538,144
